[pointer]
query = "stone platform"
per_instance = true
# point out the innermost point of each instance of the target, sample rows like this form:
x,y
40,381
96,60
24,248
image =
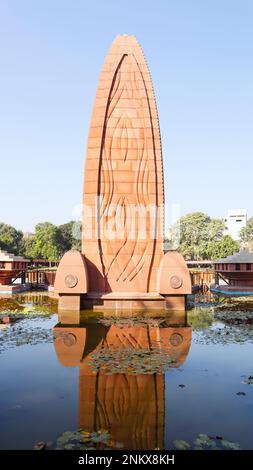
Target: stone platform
x,y
138,301
13,288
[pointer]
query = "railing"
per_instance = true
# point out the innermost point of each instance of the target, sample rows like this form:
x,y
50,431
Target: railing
x,y
203,278
36,277
41,277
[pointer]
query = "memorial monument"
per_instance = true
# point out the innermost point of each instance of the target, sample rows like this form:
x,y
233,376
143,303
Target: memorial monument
x,y
122,264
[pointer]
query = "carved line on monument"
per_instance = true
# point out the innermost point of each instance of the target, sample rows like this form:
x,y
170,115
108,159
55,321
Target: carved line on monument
x,y
136,266
108,161
157,409
100,163
125,241
123,392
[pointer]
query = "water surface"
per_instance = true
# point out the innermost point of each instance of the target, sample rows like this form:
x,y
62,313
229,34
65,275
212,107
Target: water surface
x,y
133,383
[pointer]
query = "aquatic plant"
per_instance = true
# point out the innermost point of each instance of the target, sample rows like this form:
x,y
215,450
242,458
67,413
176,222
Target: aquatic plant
x,y
235,317
130,361
200,318
236,304
227,334
84,440
24,332
248,380
137,321
205,442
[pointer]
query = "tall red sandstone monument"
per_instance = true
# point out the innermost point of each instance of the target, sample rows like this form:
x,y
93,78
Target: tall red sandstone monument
x,y
122,263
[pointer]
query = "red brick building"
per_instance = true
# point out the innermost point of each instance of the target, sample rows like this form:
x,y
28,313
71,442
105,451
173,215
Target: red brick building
x,y
10,267
237,272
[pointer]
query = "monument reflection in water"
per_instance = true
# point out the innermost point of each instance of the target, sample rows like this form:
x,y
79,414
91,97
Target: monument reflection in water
x,y
122,373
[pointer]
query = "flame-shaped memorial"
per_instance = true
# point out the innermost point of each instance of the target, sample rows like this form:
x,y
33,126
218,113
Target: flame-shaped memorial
x,y
122,264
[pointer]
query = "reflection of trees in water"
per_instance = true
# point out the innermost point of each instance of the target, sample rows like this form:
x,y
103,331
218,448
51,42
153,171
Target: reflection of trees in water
x,y
31,302
236,311
200,318
235,326
9,305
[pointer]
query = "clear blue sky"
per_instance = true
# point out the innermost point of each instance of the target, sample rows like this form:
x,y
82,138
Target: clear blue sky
x,y
200,53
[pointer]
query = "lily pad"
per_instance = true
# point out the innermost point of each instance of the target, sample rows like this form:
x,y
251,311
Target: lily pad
x,y
85,440
205,442
230,445
130,361
249,380
181,445
24,332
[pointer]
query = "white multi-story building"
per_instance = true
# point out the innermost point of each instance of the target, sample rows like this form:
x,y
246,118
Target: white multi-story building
x,y
234,222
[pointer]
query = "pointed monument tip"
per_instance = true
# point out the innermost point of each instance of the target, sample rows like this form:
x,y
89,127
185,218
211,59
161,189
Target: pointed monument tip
x,y
122,39
127,43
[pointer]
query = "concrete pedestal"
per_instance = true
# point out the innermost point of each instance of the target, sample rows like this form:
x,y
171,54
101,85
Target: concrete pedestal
x,y
69,302
136,301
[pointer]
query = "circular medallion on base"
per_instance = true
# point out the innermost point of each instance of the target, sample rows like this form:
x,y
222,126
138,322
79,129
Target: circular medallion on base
x,y
176,282
176,339
71,280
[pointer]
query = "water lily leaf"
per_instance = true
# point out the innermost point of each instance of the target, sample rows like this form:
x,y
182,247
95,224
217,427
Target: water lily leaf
x,y
130,361
230,445
181,445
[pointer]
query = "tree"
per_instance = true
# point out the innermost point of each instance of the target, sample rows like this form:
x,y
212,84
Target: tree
x,y
28,246
246,233
47,242
192,233
10,239
70,235
216,229
222,248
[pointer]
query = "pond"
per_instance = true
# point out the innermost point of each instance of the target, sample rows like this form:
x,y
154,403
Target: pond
x,y
95,381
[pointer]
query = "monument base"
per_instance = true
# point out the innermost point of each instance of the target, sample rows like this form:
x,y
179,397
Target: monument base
x,y
72,287
69,302
136,301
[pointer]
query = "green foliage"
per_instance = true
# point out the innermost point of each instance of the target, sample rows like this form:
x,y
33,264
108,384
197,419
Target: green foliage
x,y
51,242
193,232
28,245
10,239
200,318
246,233
224,247
48,242
70,239
195,235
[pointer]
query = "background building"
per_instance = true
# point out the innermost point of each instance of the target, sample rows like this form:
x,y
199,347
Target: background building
x,y
234,222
